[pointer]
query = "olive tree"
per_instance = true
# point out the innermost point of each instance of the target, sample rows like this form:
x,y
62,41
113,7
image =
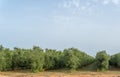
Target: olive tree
x,y
102,59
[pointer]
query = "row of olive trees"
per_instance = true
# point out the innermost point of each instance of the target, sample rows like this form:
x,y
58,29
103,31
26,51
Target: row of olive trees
x,y
18,59
104,61
37,59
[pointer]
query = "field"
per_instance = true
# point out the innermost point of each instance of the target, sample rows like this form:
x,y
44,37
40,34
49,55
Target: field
x,y
60,74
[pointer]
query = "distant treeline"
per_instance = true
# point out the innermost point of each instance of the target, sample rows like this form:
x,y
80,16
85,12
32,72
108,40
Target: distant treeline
x,y
37,59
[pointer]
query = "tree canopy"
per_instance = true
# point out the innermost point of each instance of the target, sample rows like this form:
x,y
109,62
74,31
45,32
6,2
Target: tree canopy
x,y
37,59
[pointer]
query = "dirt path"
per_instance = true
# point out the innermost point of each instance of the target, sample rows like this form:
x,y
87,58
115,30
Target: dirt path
x,y
54,74
62,76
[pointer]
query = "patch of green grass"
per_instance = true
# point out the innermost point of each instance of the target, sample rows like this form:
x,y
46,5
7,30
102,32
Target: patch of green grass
x,y
90,67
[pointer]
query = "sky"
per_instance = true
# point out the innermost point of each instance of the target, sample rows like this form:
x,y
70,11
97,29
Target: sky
x,y
89,25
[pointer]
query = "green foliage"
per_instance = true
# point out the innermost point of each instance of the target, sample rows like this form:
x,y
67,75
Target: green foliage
x,y
37,59
102,60
53,59
28,59
2,62
71,60
115,60
5,59
8,57
75,58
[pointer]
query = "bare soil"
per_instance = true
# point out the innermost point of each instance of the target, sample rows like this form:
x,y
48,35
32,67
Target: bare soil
x,y
61,74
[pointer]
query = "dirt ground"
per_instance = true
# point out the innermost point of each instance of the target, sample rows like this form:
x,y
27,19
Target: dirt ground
x,y
59,74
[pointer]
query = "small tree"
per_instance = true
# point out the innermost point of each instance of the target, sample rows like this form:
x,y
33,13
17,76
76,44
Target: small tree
x,y
71,60
102,59
115,60
37,59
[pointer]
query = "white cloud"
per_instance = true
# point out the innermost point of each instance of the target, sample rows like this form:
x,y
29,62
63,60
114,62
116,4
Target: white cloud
x,y
88,6
77,5
106,2
116,1
71,3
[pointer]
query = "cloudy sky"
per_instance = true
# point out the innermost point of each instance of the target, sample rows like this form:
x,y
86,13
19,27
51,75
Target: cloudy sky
x,y
89,25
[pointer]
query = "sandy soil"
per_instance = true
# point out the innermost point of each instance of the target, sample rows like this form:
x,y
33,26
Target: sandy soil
x,y
54,74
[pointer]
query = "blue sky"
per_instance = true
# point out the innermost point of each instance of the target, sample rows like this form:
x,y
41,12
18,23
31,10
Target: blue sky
x,y
89,25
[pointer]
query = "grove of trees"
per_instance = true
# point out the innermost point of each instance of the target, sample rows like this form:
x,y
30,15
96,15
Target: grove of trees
x,y
37,59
